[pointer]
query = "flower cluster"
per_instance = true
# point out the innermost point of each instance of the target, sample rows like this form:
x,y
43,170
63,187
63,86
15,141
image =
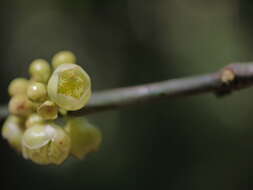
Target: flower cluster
x,y
32,127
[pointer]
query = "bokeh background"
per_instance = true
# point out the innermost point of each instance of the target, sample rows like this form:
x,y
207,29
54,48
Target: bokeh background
x,y
200,142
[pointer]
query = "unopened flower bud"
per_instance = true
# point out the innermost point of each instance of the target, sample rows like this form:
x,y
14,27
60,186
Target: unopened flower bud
x,y
18,86
37,92
48,110
63,57
40,70
13,130
20,105
85,138
34,119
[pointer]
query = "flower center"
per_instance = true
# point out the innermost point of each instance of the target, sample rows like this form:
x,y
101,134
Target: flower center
x,y
72,83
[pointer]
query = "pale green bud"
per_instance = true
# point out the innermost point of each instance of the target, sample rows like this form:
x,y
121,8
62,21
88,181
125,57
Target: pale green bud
x,y
69,87
40,70
85,138
13,130
34,119
48,110
63,57
37,92
20,105
46,144
18,86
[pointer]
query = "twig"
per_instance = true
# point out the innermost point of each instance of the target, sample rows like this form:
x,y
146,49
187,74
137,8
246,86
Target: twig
x,y
232,77
224,81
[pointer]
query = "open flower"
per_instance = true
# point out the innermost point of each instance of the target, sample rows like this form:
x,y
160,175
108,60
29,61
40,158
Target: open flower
x,y
46,144
69,87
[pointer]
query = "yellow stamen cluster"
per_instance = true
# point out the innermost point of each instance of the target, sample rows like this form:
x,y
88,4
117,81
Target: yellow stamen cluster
x,y
35,105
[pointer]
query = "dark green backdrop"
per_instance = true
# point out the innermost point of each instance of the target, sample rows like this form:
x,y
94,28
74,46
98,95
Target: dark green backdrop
x,y
199,143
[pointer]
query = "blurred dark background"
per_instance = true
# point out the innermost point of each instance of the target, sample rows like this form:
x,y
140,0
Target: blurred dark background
x,y
200,142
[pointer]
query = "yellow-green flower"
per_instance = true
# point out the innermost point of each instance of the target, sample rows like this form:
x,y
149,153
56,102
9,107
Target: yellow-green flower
x,y
13,130
46,144
69,87
85,138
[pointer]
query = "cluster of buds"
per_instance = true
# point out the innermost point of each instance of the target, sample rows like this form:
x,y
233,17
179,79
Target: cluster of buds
x,y
32,129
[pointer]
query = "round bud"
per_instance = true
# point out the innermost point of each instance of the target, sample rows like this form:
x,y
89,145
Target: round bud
x,y
63,57
20,105
37,92
16,119
84,137
34,119
18,86
69,87
12,131
48,110
46,144
40,70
